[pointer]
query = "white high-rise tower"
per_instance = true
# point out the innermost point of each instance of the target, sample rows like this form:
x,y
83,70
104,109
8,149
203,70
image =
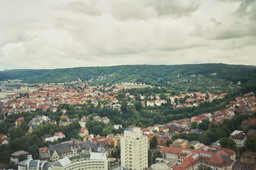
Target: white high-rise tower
x,y
134,149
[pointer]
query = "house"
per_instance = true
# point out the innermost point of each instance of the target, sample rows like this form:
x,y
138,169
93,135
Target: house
x,y
118,126
83,121
115,138
239,137
47,138
3,139
83,132
180,143
117,106
162,139
196,144
19,121
150,103
54,109
38,120
64,121
159,102
105,120
55,137
63,111
97,118
32,127
59,135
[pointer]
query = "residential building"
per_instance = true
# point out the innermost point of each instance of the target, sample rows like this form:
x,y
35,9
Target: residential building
x,y
239,137
105,120
180,143
83,132
158,166
134,149
188,159
19,121
248,159
150,103
55,137
162,139
118,126
3,139
68,149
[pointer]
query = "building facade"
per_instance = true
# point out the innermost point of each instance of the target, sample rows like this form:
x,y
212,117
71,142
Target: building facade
x,y
134,149
92,161
239,137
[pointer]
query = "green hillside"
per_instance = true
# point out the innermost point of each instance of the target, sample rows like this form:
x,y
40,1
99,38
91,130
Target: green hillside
x,y
203,77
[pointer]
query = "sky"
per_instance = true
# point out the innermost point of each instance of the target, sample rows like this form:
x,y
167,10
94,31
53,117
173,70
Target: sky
x,y
79,33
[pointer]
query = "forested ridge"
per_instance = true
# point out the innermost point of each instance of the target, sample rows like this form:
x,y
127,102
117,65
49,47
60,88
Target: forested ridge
x,y
192,77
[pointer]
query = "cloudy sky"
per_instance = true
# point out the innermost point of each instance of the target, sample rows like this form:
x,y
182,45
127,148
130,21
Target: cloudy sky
x,y
72,33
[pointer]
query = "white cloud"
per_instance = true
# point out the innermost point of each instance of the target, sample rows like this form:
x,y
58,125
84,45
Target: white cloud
x,y
70,33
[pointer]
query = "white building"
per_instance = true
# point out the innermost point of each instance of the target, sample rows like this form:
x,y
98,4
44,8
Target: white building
x,y
134,149
95,160
31,164
55,137
15,157
239,137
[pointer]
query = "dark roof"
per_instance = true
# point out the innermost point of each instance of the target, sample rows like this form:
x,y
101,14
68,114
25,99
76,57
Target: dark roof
x,y
61,148
33,163
90,145
46,166
226,158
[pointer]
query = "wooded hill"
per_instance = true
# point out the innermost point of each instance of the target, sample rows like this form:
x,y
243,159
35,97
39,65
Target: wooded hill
x,y
193,77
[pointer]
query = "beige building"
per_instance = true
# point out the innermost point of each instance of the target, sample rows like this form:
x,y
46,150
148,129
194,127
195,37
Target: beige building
x,y
134,149
180,143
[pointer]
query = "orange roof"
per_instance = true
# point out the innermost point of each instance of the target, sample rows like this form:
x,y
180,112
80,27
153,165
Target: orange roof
x,y
43,150
59,134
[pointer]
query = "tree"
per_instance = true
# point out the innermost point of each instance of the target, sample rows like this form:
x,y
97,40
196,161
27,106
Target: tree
x,y
162,96
204,139
153,143
17,133
137,105
95,127
168,142
194,125
156,154
124,108
204,125
204,167
116,152
250,143
228,143
191,147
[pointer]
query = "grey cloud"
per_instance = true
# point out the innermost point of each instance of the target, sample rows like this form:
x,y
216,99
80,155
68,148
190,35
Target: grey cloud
x,y
88,7
176,8
134,9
